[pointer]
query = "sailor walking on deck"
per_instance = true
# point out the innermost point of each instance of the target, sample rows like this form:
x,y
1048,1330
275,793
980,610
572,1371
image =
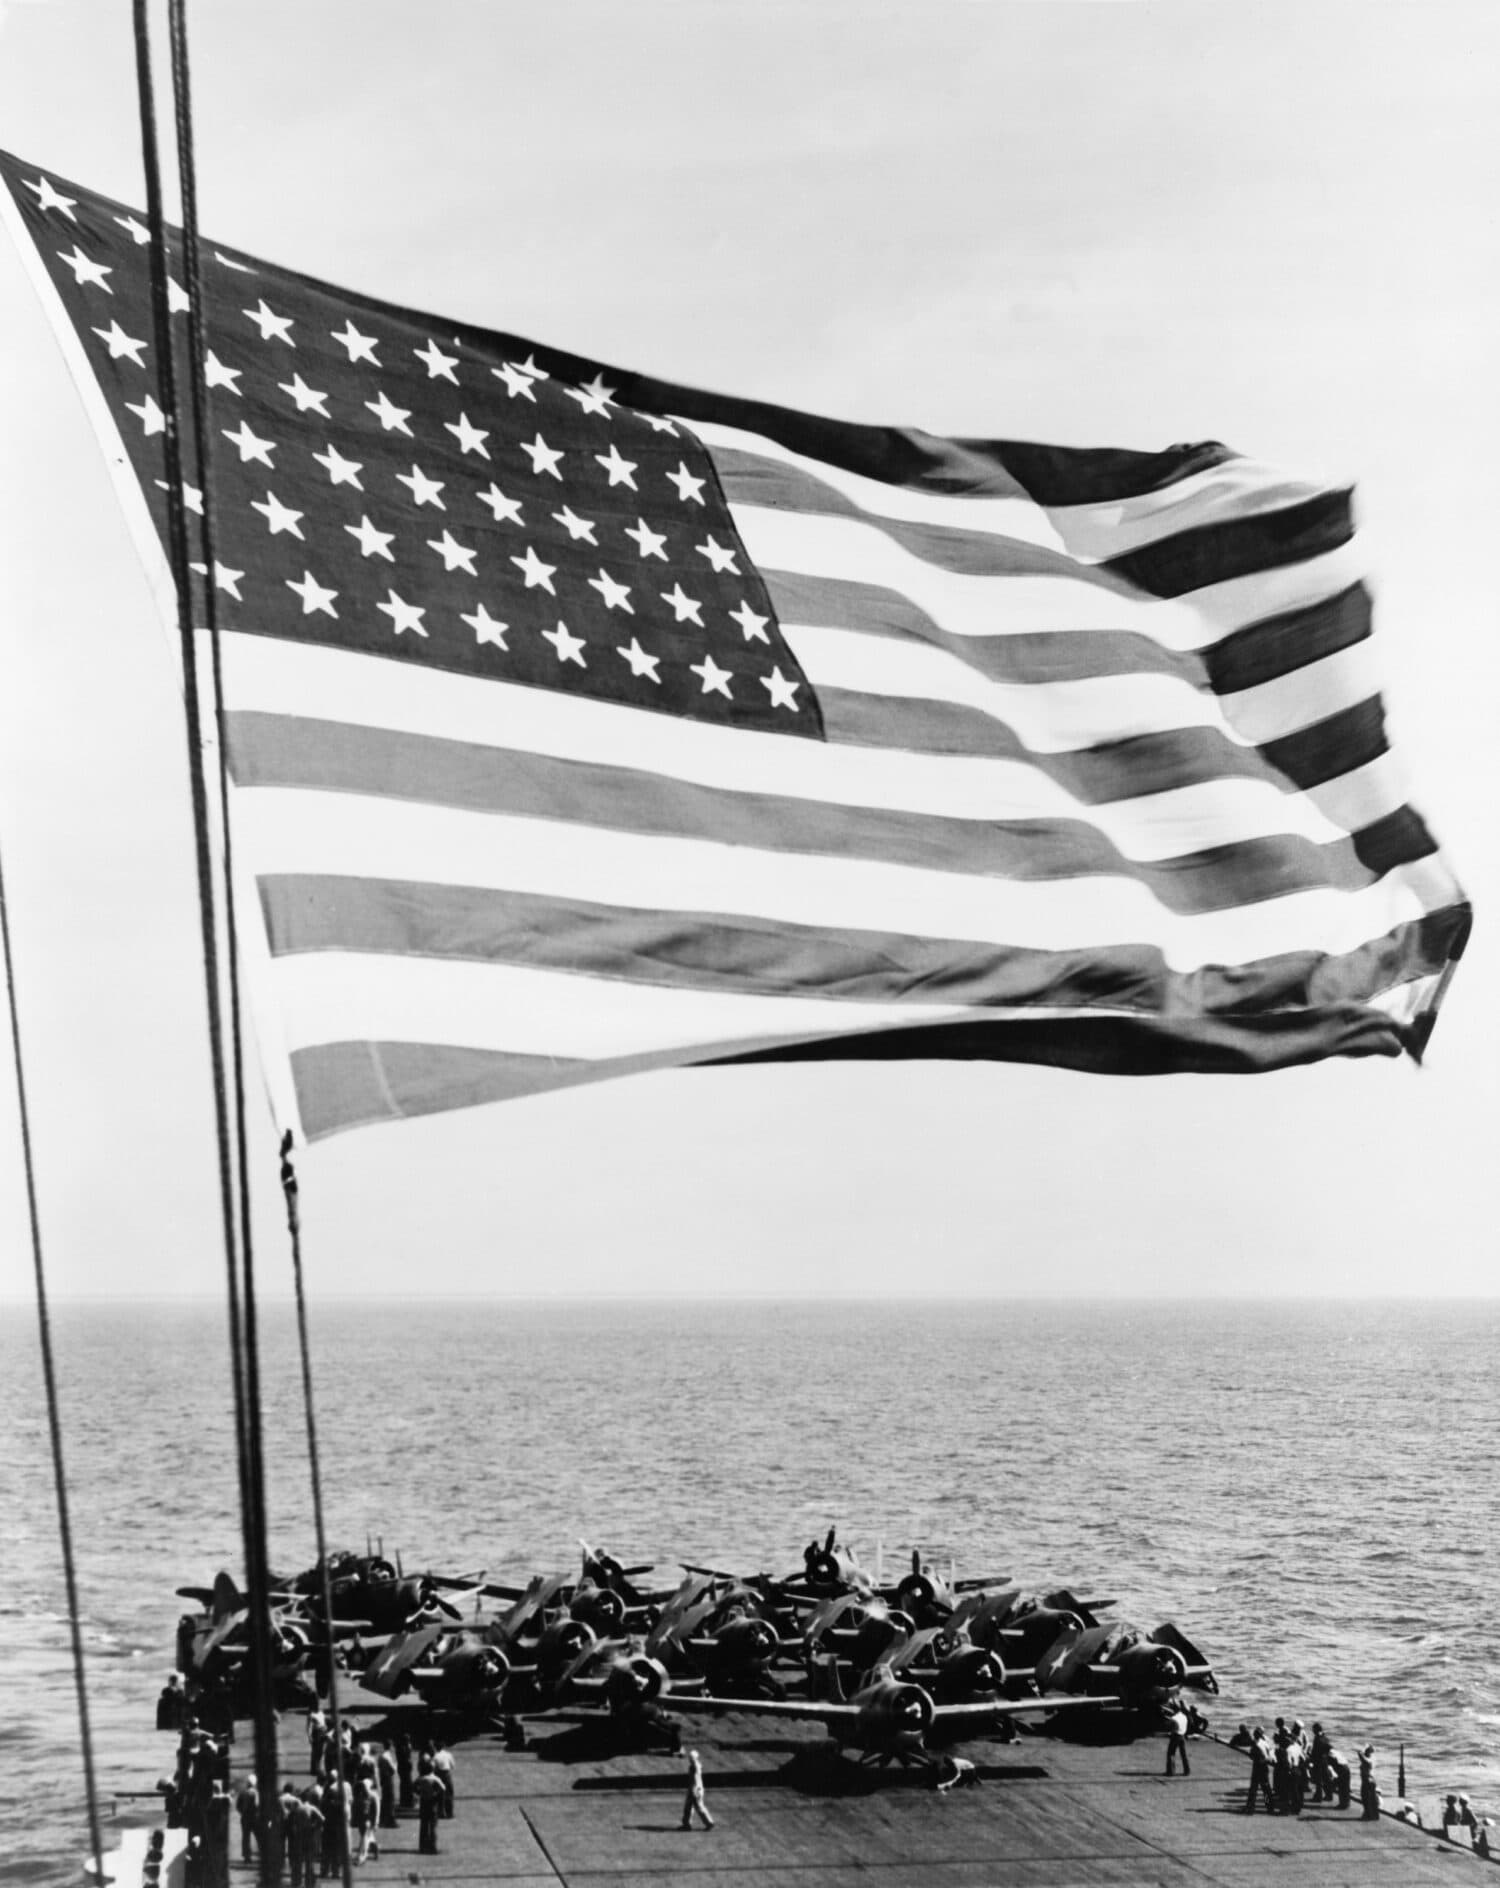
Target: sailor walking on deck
x,y
1177,1729
693,1803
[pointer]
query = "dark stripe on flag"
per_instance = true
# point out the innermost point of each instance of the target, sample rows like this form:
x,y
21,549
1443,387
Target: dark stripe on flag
x,y
1280,645
1073,655
1328,749
1093,475
1119,770
1239,547
1118,1045
290,751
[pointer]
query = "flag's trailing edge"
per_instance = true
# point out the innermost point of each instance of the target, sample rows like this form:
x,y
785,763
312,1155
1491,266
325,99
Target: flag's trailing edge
x,y
580,723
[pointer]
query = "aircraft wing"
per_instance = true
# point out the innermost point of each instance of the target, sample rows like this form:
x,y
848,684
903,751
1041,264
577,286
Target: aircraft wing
x,y
403,1651
805,1708
977,1715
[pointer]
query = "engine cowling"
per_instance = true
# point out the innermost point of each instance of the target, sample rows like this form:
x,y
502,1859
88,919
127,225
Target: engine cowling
x,y
747,1644
635,1681
1149,1667
971,1673
561,1644
600,1608
896,1714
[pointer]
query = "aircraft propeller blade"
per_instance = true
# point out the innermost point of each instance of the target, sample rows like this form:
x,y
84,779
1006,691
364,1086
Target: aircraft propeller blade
x,y
446,1606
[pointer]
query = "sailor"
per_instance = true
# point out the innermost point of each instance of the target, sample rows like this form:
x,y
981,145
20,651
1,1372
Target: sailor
x,y
366,1816
401,1738
1260,1774
1451,1818
307,1819
959,1774
386,1765
1466,1815
429,1793
1338,1769
1322,1774
293,1836
1177,1728
1369,1789
693,1803
1281,1768
1242,1739
317,1737
1482,1838
247,1804
442,1765
171,1705
216,1835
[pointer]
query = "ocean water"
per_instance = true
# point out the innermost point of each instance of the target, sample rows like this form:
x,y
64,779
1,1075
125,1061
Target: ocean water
x,y
1307,1489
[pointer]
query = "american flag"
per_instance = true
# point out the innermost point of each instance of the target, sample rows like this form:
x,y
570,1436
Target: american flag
x,y
580,723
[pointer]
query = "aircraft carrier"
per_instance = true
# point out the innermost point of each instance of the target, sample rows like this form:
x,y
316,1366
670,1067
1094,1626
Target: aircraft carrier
x,y
1049,1813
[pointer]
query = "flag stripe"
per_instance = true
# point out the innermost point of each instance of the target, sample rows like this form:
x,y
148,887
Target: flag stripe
x,y
1236,488
1229,548
308,913
1181,851
290,830
1001,779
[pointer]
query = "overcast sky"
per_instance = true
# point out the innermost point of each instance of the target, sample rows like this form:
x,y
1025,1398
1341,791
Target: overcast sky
x,y
1094,223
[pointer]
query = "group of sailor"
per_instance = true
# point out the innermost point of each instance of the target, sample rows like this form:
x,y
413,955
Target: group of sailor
x,y
1289,1763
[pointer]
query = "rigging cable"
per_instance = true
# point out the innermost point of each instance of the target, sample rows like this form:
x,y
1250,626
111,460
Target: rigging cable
x,y
54,1423
197,407
294,1228
250,1485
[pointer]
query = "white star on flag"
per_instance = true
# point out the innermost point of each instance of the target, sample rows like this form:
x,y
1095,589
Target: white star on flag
x,y
683,606
192,497
119,343
486,628
470,438
315,596
617,466
278,516
713,676
86,273
455,556
372,543
403,615
650,541
361,347
517,381
657,424
308,399
177,297
216,374
616,595
438,364
392,418
341,471
424,490
248,445
543,458
273,327
754,626
506,510
49,198
719,555
152,417
783,692
138,231
640,662
688,487
568,646
593,396
581,530
536,573
224,578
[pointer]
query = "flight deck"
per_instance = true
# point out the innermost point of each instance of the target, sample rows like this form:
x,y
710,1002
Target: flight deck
x,y
1048,1813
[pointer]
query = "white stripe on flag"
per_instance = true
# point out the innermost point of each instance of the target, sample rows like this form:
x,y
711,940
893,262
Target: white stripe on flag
x,y
285,678
295,830
339,996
